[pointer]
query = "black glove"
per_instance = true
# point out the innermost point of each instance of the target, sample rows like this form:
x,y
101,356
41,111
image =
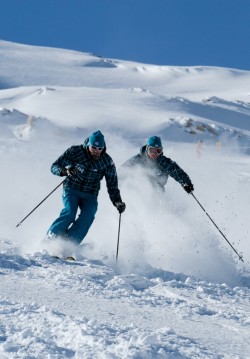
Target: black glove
x,y
121,206
188,187
63,172
69,171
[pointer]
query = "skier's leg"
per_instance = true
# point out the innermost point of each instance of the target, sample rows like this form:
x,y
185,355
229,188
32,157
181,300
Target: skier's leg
x,y
79,229
67,215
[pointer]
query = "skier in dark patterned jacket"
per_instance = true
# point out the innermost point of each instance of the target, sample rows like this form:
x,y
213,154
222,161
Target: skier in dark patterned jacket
x,y
158,167
85,166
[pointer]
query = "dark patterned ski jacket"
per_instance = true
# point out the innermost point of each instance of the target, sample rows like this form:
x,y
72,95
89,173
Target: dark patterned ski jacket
x,y
158,170
90,172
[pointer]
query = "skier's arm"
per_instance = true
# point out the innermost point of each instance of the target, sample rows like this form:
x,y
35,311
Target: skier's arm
x,y
130,164
176,172
112,184
59,166
133,161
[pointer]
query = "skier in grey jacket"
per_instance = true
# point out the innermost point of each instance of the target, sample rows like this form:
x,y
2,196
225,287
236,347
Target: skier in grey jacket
x,y
85,166
158,167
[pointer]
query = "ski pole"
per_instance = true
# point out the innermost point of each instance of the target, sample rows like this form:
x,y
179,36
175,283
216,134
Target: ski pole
x,y
39,204
240,257
118,239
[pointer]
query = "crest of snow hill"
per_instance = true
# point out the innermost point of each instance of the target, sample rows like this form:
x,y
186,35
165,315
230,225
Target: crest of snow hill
x,y
75,89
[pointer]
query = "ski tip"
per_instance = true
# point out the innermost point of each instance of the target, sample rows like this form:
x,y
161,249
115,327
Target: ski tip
x,y
70,258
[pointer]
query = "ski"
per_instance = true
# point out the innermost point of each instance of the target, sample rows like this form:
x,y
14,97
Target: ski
x,y
69,258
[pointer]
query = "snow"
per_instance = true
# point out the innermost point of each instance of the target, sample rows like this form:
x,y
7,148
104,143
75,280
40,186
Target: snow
x,y
178,290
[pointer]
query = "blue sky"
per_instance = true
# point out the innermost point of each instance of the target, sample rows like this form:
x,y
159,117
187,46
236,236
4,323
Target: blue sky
x,y
164,32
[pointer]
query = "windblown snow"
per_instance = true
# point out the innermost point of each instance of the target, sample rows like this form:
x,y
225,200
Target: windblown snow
x,y
178,290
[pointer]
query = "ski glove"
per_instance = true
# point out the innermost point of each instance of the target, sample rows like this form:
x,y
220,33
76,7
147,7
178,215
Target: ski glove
x,y
121,206
188,187
69,171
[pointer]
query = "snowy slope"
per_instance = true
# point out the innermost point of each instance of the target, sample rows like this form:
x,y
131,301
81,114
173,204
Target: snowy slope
x,y
88,310
178,290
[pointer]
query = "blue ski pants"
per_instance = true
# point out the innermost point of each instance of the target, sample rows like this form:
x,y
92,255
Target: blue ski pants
x,y
66,225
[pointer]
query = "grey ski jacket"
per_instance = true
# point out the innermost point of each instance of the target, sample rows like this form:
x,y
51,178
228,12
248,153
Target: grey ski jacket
x,y
158,170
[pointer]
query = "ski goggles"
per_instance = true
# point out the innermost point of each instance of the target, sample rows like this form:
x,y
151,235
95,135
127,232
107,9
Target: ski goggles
x,y
155,150
97,148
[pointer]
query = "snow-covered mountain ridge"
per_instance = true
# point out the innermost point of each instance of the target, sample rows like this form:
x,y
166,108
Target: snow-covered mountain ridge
x,y
202,94
23,65
178,290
